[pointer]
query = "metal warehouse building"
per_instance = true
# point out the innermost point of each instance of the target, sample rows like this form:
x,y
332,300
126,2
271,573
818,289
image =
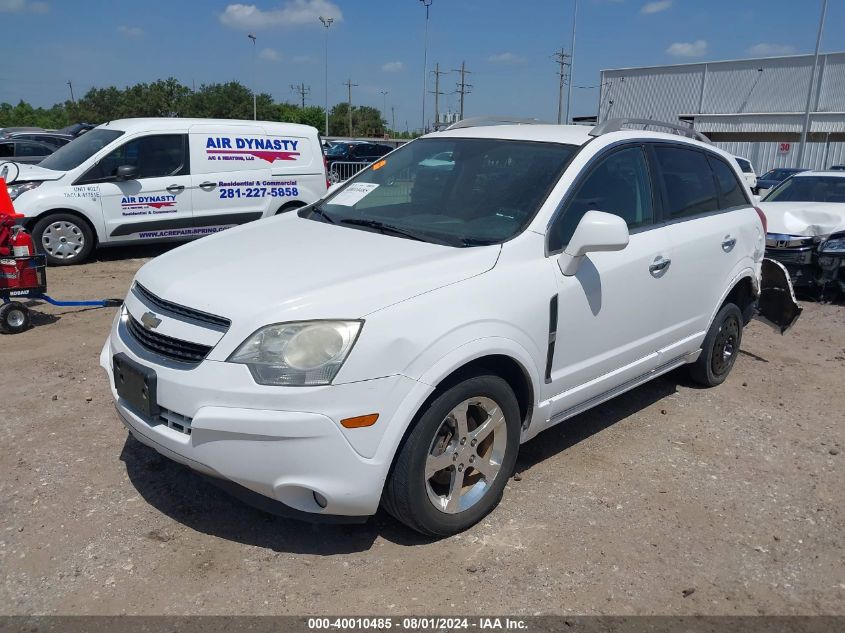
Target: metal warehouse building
x,y
750,107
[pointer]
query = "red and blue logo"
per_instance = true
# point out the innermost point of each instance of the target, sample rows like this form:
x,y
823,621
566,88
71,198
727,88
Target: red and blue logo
x,y
238,148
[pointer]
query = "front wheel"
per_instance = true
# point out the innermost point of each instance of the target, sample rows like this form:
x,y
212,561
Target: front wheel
x,y
720,347
453,467
64,238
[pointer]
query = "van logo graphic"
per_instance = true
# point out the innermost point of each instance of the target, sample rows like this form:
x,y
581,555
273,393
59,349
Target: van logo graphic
x,y
150,321
147,202
267,149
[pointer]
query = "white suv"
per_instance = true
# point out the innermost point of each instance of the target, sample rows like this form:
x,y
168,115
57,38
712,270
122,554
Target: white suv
x,y
395,342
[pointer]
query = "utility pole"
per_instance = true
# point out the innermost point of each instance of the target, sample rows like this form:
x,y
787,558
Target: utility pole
x,y
806,127
437,72
327,22
426,4
384,94
302,89
563,60
571,61
463,87
70,85
393,115
254,70
350,86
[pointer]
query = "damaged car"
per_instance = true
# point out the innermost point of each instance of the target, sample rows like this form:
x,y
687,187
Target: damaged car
x,y
806,221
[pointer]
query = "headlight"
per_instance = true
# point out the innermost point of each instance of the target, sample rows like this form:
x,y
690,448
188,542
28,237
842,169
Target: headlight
x,y
299,353
17,189
830,247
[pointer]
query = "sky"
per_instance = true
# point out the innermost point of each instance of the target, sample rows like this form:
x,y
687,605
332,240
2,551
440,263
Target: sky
x,y
507,45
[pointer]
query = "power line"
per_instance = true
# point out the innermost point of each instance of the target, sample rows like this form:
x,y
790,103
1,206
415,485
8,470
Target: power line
x,y
463,87
302,89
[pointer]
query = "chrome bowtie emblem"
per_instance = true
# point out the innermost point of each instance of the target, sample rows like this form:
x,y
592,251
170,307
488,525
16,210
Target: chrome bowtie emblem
x,y
150,321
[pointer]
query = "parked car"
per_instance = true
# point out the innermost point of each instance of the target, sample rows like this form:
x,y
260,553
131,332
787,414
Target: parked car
x,y
774,177
803,212
396,341
7,131
24,151
144,180
837,168
49,138
77,129
748,172
357,152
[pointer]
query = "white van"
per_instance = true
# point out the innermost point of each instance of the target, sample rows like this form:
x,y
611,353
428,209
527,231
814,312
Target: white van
x,y
144,180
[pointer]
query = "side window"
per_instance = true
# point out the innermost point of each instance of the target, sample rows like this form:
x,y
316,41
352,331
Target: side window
x,y
731,193
7,150
28,148
155,156
688,181
618,184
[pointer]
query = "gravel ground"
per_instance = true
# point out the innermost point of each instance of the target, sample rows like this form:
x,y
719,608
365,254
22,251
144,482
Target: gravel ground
x,y
667,500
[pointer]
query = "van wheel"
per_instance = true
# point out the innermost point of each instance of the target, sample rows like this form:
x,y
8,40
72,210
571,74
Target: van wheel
x,y
720,348
14,318
290,206
453,467
64,238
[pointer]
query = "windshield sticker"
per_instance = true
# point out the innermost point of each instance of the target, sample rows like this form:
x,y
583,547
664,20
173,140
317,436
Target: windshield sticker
x,y
379,165
353,194
246,149
84,191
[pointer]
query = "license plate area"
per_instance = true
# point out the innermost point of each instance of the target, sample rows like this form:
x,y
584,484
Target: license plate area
x,y
136,385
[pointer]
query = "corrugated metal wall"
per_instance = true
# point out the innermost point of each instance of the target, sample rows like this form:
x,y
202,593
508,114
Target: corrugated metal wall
x,y
766,156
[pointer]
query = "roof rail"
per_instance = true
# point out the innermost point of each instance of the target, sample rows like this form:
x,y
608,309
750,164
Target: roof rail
x,y
481,121
615,125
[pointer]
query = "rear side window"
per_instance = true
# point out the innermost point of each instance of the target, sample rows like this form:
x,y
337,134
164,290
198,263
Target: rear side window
x,y
730,190
6,150
745,166
688,181
618,184
27,148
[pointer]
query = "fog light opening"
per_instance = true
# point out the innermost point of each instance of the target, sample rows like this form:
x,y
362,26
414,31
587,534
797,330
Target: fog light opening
x,y
320,500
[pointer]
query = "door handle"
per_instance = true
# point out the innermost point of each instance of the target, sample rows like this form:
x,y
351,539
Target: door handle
x,y
660,264
728,244
207,185
176,188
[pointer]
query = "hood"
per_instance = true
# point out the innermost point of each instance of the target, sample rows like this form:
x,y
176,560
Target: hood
x,y
290,268
804,218
34,172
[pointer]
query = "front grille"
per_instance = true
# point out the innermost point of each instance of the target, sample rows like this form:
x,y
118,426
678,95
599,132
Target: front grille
x,y
173,348
175,421
179,310
791,256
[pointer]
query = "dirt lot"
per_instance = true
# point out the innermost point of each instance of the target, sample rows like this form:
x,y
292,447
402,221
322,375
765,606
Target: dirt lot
x,y
669,499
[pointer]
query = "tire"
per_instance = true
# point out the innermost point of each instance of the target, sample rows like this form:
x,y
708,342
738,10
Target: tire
x,y
429,505
65,239
290,206
14,318
720,348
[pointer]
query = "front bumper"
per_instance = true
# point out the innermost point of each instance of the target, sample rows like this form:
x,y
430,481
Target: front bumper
x,y
280,442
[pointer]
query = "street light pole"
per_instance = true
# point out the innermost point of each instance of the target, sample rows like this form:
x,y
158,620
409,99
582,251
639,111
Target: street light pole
x,y
327,22
254,79
806,127
571,62
426,4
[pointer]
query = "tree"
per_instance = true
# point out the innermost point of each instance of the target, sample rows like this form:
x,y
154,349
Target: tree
x,y
366,121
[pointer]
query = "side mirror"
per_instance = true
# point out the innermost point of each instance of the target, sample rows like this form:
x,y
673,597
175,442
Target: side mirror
x,y
597,231
127,172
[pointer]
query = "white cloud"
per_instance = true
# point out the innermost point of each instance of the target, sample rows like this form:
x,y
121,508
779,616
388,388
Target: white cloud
x,y
23,6
698,48
130,31
304,59
656,7
505,58
270,55
393,67
291,13
764,49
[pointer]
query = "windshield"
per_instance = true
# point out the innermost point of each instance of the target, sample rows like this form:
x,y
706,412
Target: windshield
x,y
457,191
338,149
809,189
79,150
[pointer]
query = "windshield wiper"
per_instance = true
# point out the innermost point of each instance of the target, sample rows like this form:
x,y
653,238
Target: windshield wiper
x,y
318,211
387,228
